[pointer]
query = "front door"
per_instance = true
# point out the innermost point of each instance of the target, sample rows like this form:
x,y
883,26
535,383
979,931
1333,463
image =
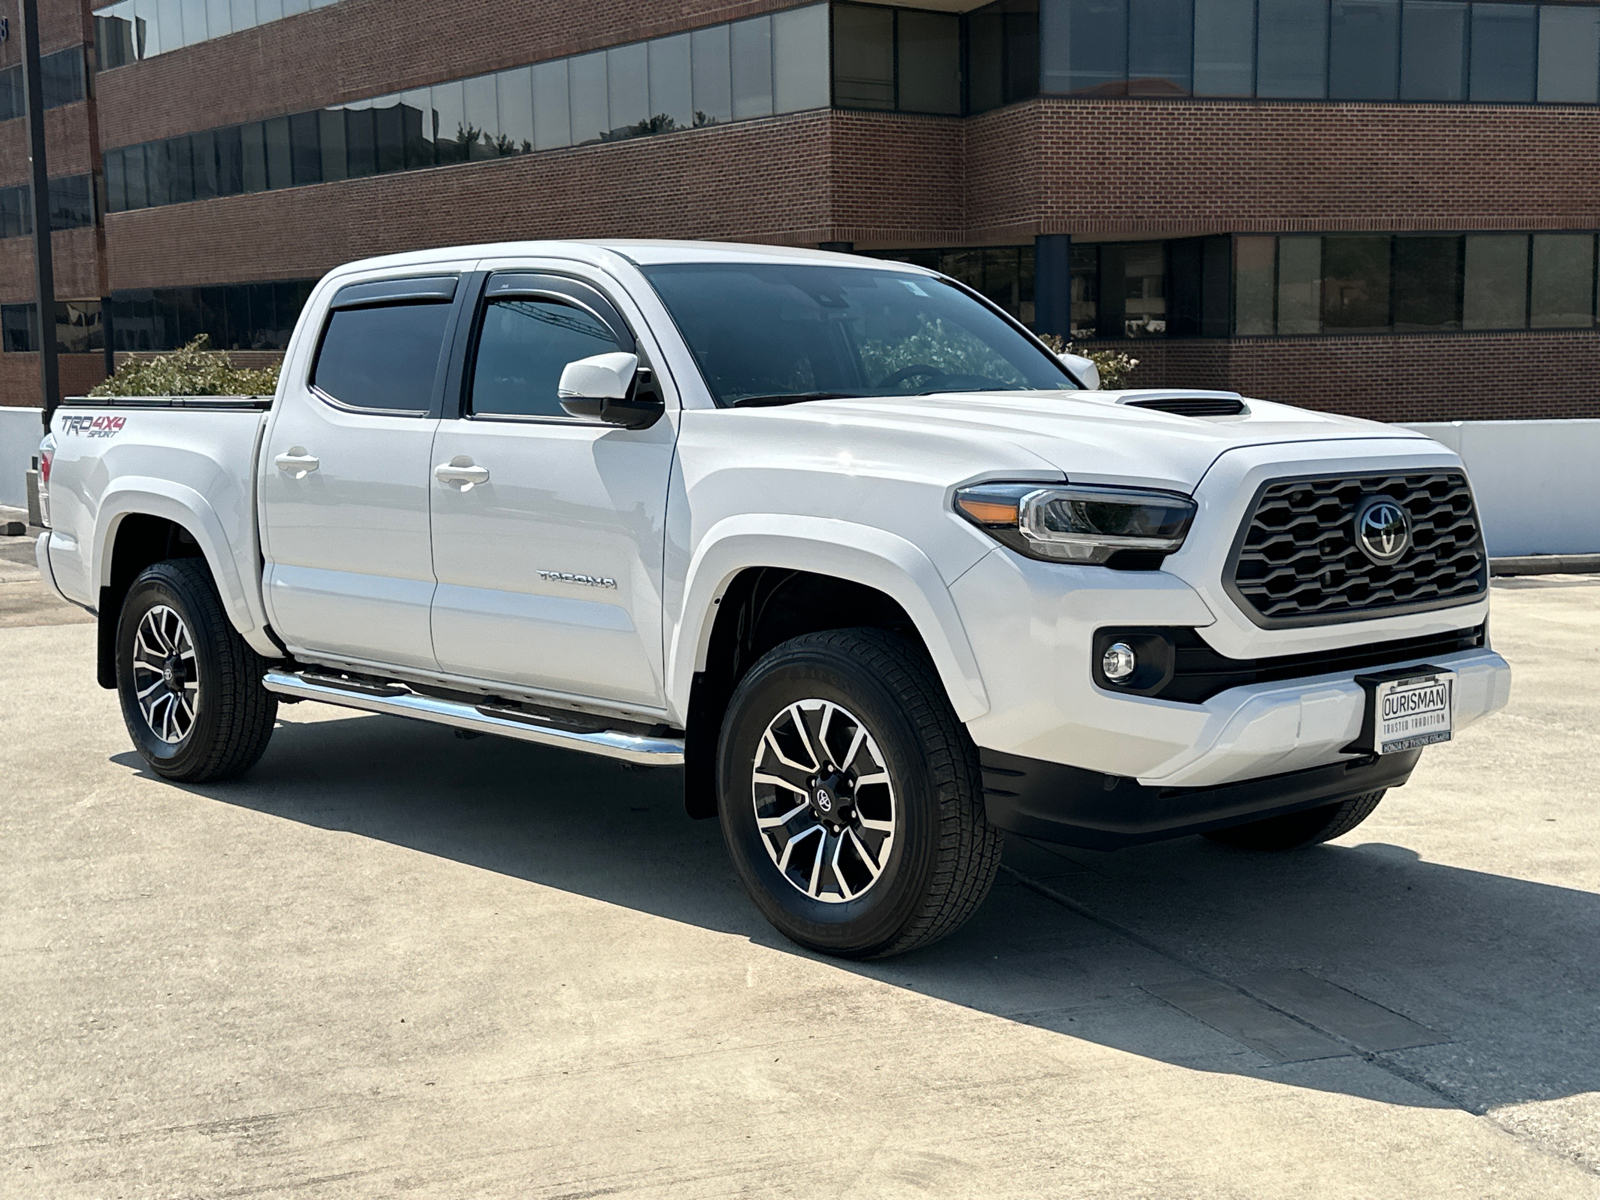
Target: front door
x,y
346,479
548,530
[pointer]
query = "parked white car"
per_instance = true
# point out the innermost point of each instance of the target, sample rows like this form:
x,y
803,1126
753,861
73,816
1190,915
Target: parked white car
x,y
838,536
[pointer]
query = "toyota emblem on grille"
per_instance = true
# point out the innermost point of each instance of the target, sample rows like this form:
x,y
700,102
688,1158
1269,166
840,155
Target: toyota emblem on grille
x,y
1383,530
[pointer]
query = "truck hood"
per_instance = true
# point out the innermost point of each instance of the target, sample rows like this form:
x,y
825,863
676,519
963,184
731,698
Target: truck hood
x,y
1095,437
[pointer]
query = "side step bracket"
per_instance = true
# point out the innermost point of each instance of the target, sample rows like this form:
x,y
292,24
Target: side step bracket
x,y
524,725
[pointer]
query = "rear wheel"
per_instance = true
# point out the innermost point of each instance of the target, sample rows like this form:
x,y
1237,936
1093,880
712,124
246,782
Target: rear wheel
x,y
850,796
1298,830
190,686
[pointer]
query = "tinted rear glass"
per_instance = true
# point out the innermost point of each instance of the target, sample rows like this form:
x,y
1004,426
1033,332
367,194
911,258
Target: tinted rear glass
x,y
383,357
769,330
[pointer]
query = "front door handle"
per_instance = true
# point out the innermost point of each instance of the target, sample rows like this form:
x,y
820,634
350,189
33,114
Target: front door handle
x,y
297,463
461,470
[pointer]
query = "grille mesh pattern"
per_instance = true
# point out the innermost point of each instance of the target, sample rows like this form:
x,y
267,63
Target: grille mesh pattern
x,y
1299,562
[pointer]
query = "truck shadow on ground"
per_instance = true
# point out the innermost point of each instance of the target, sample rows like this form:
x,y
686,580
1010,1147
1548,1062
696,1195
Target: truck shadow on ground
x,y
1503,971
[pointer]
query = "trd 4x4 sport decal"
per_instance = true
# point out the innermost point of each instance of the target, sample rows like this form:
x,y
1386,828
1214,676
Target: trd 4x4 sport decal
x,y
95,427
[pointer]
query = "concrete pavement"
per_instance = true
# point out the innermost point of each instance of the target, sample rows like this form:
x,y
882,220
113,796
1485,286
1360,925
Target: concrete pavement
x,y
393,961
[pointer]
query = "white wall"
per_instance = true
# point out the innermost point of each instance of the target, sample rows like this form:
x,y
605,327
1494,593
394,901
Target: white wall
x,y
20,434
1537,482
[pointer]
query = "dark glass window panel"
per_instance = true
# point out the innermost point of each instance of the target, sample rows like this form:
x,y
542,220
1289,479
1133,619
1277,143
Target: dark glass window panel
x,y
396,125
628,90
1503,48
263,316
230,161
1569,54
1085,47
1022,49
213,315
10,93
800,70
157,174
382,358
1002,278
113,36
1299,285
1364,50
671,81
253,143
180,169
116,185
1433,50
1216,292
930,62
71,202
185,304
591,112
335,153
444,121
61,77
1144,306
280,153
195,28
965,266
361,145
1427,282
524,347
713,76
1113,291
514,97
863,57
751,45
421,124
19,326
305,148
1292,48
552,105
203,147
1085,291
1494,290
78,327
236,305
1561,292
482,103
13,206
1186,261
1355,284
1160,47
986,56
287,299
133,175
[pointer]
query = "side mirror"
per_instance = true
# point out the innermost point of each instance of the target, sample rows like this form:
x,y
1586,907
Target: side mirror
x,y
612,388
1082,369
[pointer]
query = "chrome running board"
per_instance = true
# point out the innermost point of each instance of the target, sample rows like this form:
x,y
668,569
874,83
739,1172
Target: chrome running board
x,y
486,718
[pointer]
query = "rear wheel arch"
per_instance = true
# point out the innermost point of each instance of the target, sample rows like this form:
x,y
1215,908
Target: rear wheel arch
x,y
137,540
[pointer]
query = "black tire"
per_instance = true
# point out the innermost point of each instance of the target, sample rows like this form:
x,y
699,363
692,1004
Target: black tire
x,y
1297,831
232,714
942,856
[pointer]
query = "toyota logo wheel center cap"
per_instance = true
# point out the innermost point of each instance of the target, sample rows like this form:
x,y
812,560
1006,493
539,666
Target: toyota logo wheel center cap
x,y
829,797
1383,530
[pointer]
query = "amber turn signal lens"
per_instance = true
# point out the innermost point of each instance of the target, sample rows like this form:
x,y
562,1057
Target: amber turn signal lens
x,y
988,512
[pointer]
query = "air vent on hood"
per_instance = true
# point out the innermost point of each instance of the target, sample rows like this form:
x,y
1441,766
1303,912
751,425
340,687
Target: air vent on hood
x,y
1214,404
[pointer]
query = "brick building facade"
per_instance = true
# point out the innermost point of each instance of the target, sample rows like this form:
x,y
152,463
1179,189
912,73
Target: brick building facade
x,y
1398,222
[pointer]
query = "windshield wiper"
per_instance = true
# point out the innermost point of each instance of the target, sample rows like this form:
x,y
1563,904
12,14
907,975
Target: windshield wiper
x,y
785,398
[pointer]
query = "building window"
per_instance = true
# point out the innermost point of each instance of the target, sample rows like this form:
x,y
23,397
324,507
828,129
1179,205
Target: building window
x,y
242,316
61,77
1433,50
1364,50
1569,55
1004,53
1504,44
72,206
132,30
896,59
750,68
78,327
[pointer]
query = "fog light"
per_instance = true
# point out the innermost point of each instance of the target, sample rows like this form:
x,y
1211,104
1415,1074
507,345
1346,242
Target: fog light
x,y
1119,662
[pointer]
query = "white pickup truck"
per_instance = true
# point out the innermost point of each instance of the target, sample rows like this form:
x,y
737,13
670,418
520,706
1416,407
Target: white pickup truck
x,y
838,536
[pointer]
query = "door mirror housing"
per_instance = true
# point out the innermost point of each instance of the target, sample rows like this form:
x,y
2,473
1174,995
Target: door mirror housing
x,y
612,388
1082,369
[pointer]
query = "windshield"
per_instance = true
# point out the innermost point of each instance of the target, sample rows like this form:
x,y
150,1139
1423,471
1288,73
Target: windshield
x,y
779,332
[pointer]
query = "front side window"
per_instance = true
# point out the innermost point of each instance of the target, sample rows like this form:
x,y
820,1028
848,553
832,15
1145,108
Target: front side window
x,y
525,344
383,357
776,331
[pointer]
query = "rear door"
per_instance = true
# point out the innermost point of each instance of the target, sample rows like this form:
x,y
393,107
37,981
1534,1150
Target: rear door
x,y
346,477
547,529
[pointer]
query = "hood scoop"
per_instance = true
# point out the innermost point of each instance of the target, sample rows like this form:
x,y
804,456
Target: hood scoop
x,y
1188,404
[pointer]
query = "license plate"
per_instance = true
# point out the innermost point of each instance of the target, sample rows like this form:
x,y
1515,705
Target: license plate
x,y
1412,712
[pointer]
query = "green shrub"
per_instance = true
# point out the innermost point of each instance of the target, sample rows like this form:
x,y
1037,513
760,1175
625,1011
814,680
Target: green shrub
x,y
196,370
1114,365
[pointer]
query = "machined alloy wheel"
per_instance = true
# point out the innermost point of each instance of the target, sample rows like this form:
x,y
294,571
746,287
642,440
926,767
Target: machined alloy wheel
x,y
850,795
824,802
166,674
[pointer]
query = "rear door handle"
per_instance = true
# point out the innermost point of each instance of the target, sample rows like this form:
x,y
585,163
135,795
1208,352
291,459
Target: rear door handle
x,y
461,470
297,463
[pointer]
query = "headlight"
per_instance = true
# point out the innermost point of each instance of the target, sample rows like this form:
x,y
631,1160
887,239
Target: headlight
x,y
1065,523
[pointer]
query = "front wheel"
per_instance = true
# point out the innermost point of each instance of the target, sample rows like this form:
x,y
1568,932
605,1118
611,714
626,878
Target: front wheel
x,y
190,686
850,796
1299,830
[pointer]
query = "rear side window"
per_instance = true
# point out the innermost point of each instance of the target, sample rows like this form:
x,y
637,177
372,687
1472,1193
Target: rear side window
x,y
383,357
525,344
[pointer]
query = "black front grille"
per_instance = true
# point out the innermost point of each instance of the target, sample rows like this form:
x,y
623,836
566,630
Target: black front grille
x,y
1298,562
